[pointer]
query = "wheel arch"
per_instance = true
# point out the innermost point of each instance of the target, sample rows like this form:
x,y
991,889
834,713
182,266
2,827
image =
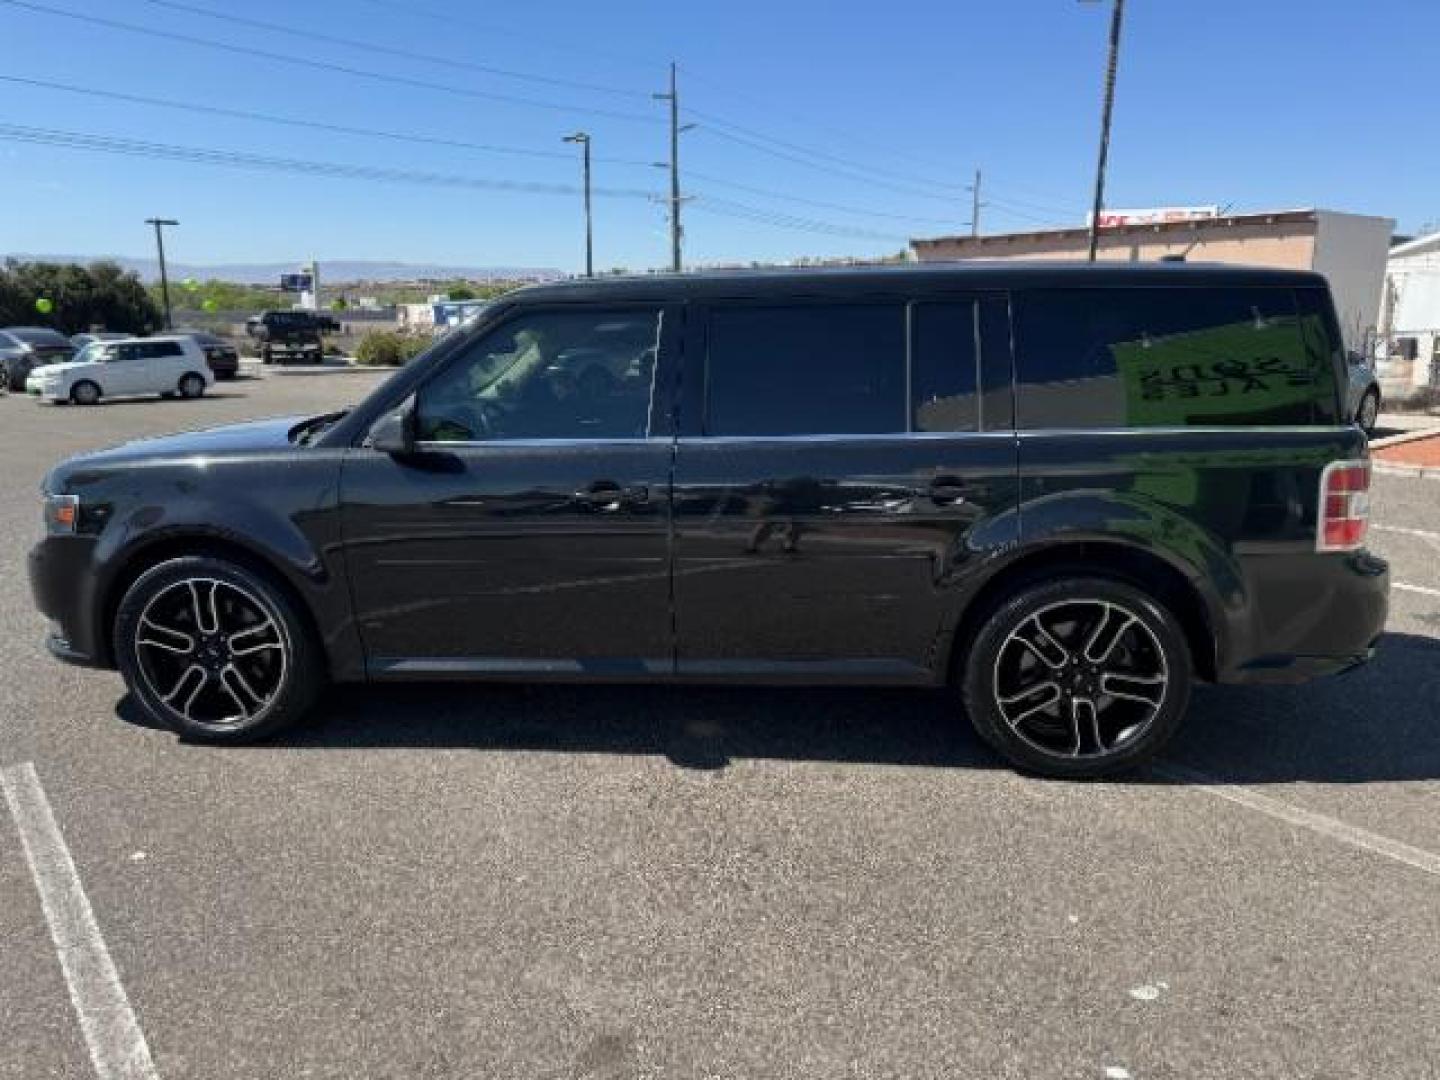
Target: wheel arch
x,y
179,545
1113,559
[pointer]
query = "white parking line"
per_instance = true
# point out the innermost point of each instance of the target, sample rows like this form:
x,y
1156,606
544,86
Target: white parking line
x,y
1323,824
1421,589
117,1046
1422,534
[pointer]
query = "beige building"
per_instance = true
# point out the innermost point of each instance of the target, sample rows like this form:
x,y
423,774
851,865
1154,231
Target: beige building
x,y
1349,249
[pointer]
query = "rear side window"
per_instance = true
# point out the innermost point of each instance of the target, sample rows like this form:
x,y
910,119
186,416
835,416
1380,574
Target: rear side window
x,y
944,366
806,370
1163,357
158,349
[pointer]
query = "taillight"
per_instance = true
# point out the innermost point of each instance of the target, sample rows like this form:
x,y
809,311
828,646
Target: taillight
x,y
1344,506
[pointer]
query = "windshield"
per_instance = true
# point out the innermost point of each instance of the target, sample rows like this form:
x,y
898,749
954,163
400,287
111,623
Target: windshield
x,y
96,352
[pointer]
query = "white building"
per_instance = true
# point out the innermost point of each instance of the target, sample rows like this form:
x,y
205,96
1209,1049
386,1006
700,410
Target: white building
x,y
1409,332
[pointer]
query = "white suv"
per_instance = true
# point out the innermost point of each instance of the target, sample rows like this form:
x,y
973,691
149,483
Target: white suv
x,y
158,365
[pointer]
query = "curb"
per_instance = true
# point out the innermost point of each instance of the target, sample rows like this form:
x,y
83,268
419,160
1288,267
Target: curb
x,y
1405,437
1414,472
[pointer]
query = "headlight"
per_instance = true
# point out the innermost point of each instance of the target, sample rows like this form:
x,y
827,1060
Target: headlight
x,y
62,513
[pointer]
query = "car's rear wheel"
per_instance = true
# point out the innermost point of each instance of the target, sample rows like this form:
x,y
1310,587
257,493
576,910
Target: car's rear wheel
x,y
1078,677
1369,411
85,393
7,377
191,386
215,650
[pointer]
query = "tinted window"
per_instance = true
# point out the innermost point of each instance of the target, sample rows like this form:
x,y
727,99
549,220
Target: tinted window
x,y
943,377
158,349
548,375
806,370
1164,357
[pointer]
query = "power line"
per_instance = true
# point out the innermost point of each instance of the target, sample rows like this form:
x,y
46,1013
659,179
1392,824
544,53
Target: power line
x,y
589,51
738,129
390,50
427,140
727,208
819,203
316,125
829,170
110,144
311,63
90,141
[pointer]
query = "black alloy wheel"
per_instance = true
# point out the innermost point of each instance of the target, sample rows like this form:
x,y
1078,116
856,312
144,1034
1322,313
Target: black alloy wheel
x,y
1078,677
215,651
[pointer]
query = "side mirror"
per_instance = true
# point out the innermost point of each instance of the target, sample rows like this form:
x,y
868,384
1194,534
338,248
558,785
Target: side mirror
x,y
394,433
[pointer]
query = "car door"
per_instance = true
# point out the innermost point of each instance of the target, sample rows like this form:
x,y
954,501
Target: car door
x,y
529,531
842,470
123,370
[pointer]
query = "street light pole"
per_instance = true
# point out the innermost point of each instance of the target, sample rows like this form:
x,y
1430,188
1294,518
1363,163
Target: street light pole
x,y
584,140
159,224
1117,14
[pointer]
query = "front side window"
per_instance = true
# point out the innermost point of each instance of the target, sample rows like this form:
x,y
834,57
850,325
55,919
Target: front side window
x,y
548,375
806,370
1160,357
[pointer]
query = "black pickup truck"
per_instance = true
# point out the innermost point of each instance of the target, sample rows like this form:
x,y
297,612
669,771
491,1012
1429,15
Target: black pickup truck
x,y
286,336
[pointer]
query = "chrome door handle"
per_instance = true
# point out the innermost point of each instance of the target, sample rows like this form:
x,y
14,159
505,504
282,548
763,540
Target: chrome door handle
x,y
603,494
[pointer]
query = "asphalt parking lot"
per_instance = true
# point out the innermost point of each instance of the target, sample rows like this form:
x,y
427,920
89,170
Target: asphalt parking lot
x,y
617,882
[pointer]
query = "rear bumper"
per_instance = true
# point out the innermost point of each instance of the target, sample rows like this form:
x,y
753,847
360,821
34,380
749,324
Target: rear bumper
x,y
1309,617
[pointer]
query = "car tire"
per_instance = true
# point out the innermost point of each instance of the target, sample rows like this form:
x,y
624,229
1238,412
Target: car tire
x,y
1077,677
175,642
85,392
1368,412
191,385
7,380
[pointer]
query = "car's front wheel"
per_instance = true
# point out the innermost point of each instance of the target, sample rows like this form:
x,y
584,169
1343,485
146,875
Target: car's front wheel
x,y
215,650
1078,677
85,392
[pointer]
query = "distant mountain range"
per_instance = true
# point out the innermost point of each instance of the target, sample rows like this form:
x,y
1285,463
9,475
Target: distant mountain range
x,y
331,273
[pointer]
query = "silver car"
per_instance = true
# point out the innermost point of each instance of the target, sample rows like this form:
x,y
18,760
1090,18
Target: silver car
x,y
1362,391
23,348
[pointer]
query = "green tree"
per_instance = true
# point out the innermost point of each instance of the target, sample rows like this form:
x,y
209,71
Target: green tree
x,y
98,295
460,292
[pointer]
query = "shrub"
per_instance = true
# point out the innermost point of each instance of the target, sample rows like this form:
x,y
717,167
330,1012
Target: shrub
x,y
389,348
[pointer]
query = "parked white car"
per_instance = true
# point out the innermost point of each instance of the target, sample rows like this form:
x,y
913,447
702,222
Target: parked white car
x,y
167,366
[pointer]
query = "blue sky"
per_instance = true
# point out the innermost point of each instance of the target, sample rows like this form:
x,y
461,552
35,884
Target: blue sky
x,y
1256,103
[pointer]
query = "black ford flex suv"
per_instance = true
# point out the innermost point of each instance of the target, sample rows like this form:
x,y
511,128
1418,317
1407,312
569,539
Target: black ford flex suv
x,y
1068,492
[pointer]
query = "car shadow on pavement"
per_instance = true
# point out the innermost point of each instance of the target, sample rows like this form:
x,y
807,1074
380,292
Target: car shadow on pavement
x,y
695,727
1380,723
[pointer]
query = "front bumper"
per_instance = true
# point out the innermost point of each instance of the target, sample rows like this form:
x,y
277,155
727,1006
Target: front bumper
x,y
62,583
42,388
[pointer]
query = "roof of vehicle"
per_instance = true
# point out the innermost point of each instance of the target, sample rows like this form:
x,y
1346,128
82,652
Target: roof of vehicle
x,y
912,277
24,332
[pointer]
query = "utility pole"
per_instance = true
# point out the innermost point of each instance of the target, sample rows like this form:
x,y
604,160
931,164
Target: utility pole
x,y
584,140
675,199
159,224
1117,14
975,206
